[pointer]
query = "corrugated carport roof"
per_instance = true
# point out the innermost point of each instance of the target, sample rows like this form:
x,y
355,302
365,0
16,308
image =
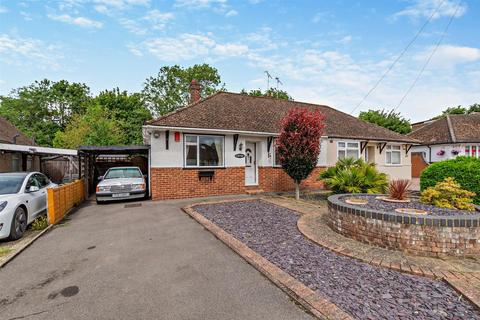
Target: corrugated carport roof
x,y
96,150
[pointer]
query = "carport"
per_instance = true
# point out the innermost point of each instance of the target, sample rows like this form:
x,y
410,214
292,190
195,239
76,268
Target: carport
x,y
98,159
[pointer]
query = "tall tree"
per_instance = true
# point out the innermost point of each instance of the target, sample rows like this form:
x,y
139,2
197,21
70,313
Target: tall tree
x,y
389,119
44,107
128,110
272,92
298,144
460,110
95,127
169,89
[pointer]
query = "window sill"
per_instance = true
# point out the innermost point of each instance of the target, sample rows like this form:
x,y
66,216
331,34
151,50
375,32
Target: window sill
x,y
203,168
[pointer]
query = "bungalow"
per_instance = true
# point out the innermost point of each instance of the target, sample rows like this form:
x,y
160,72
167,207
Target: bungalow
x,y
224,144
446,138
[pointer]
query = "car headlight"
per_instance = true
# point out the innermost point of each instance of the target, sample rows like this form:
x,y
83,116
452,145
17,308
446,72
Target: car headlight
x,y
103,188
3,204
139,186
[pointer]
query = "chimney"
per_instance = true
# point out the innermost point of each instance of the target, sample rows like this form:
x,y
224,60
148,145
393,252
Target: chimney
x,y
194,91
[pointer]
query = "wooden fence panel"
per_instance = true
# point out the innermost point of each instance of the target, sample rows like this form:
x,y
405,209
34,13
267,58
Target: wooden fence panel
x,y
63,198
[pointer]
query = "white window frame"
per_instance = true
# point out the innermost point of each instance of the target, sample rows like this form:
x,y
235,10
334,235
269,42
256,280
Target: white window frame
x,y
346,148
389,149
469,146
185,144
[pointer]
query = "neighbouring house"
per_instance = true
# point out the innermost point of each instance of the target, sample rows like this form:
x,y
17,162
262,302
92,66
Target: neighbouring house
x,y
445,138
14,160
224,144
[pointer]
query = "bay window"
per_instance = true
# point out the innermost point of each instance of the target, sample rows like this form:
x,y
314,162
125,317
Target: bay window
x,y
393,154
348,150
204,151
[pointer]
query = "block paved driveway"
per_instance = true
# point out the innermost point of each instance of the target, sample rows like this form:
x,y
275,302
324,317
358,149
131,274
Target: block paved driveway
x,y
148,262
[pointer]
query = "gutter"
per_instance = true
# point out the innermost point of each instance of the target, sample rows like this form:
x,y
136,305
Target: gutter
x,y
267,134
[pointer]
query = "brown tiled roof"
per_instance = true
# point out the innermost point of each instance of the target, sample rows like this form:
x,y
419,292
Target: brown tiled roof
x,y
240,112
8,131
454,128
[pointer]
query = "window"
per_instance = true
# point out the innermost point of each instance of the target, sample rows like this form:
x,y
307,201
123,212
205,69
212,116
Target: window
x,y
348,150
203,151
16,162
393,154
472,151
116,173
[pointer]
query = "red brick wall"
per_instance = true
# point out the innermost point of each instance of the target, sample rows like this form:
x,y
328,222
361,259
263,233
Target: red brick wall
x,y
273,179
178,183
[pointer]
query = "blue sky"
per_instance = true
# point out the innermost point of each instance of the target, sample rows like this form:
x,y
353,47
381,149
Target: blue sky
x,y
328,52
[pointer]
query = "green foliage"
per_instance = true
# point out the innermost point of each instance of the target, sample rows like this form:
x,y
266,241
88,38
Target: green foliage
x,y
40,223
448,194
391,120
354,176
465,170
460,110
128,110
272,92
169,89
95,127
5,250
44,107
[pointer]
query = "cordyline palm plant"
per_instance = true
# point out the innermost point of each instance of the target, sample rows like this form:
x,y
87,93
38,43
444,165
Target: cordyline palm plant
x,y
354,176
398,189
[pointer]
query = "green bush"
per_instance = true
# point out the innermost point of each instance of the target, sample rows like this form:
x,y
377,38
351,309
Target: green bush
x,y
354,176
448,194
465,171
40,223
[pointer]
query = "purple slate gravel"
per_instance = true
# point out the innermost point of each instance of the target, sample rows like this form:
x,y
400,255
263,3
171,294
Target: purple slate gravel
x,y
378,204
364,291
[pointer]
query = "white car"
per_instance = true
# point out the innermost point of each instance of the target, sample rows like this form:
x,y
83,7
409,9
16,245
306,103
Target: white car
x,y
121,183
23,197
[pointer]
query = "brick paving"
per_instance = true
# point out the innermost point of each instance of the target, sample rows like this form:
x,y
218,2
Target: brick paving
x,y
462,274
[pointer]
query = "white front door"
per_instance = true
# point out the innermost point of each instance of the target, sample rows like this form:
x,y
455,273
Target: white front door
x,y
250,163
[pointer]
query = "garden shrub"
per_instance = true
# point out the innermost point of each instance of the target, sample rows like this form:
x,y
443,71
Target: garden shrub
x,y
40,223
354,176
465,170
398,189
448,194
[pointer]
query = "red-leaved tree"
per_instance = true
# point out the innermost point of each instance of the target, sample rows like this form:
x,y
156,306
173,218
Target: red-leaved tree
x,y
298,145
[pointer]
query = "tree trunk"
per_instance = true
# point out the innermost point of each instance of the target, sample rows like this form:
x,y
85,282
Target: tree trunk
x,y
297,190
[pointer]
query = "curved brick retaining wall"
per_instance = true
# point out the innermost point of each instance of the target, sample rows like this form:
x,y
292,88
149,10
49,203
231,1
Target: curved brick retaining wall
x,y
420,235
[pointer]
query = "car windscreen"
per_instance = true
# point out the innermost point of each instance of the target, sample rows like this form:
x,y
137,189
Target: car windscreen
x,y
10,183
123,173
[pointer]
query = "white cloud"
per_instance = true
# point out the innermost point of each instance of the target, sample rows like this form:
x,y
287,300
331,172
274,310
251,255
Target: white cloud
x,y
158,19
231,13
320,16
132,26
26,16
121,4
188,46
3,9
79,21
449,56
194,4
345,40
28,52
425,8
102,9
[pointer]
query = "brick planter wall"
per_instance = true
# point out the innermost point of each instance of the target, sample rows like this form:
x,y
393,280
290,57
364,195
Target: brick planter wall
x,y
420,235
178,183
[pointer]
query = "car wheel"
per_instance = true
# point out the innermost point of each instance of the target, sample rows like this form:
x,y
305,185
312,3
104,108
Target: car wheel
x,y
19,224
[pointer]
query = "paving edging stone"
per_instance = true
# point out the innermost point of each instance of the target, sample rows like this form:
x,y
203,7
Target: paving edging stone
x,y
309,299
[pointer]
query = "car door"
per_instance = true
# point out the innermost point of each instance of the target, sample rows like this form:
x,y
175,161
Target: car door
x,y
34,199
44,183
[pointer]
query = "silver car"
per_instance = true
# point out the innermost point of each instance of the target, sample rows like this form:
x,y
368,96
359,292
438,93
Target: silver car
x,y
121,183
